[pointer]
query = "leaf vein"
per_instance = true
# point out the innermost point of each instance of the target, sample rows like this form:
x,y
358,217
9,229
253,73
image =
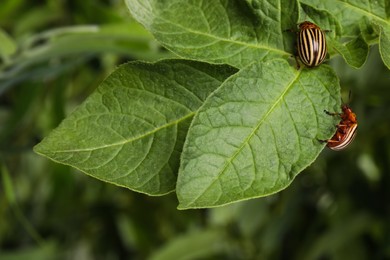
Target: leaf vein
x,y
215,37
131,139
365,12
229,161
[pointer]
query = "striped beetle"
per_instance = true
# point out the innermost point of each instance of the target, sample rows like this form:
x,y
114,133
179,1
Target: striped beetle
x,y
346,129
311,44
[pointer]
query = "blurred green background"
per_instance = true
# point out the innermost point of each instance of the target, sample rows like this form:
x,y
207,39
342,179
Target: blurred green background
x,y
55,53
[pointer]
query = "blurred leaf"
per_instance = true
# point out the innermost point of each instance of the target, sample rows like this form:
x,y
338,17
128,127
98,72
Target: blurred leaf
x,y
131,130
249,216
23,105
17,212
367,165
336,241
229,32
256,133
99,12
7,46
36,19
8,8
195,245
47,251
66,47
7,185
34,72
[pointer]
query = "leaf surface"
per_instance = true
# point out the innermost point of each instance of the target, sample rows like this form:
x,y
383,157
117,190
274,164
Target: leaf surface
x,y
354,52
256,133
231,32
130,131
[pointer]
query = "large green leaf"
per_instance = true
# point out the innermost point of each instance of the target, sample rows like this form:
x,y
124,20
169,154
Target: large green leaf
x,y
225,31
256,133
130,132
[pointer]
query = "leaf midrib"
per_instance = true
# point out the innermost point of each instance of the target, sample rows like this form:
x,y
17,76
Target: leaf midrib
x,y
228,162
254,46
131,139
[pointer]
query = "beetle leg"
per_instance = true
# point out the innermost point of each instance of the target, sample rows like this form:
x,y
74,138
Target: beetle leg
x,y
322,141
332,113
289,30
341,129
296,60
332,141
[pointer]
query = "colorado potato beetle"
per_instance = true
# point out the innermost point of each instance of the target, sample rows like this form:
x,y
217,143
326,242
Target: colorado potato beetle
x,y
346,129
311,44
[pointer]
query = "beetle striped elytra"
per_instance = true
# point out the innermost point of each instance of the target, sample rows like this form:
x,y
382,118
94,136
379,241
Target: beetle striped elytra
x,y
346,129
311,44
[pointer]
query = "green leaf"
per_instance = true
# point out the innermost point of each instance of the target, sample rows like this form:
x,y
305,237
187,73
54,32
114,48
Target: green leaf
x,y
285,18
354,52
337,237
72,45
7,185
122,38
195,245
256,133
350,13
7,45
384,45
130,131
231,32
47,251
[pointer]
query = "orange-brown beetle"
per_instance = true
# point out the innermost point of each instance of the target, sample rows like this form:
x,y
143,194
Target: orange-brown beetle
x,y
346,129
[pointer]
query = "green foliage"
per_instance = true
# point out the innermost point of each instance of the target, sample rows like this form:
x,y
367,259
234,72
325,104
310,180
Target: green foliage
x,y
72,46
384,43
256,133
130,132
58,53
8,46
194,246
249,138
230,32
